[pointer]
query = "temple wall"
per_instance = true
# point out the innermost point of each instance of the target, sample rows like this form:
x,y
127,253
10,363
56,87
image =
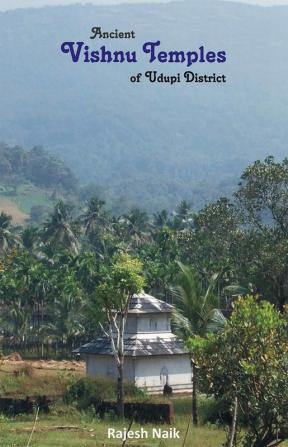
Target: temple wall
x,y
152,372
104,366
154,323
149,373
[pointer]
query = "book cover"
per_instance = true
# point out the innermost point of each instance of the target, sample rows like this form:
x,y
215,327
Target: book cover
x,y
143,223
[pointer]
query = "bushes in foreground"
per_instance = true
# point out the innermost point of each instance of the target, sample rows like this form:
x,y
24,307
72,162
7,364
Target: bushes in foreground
x,y
86,391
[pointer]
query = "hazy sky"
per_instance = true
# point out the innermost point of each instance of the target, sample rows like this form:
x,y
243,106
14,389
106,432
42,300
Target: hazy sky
x,y
12,4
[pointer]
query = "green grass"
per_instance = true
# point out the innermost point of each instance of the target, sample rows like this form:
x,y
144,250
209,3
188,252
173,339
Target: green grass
x,y
94,432
28,196
91,431
49,382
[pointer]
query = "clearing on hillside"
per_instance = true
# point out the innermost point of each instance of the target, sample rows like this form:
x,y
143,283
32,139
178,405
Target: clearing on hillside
x,y
11,208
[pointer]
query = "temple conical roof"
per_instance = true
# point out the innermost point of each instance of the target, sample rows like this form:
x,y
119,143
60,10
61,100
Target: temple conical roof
x,y
143,303
141,344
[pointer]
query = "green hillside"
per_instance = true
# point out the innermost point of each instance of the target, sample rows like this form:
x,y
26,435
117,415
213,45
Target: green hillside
x,y
148,144
31,181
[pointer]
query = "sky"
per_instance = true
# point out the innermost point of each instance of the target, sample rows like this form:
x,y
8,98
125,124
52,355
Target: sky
x,y
12,4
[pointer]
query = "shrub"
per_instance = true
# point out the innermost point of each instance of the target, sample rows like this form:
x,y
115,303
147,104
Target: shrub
x,y
214,411
86,391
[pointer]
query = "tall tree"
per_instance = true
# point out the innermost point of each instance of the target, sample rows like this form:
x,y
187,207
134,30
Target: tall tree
x,y
94,215
119,282
66,314
214,241
159,257
60,231
16,321
136,226
197,313
8,238
183,217
263,200
161,219
248,364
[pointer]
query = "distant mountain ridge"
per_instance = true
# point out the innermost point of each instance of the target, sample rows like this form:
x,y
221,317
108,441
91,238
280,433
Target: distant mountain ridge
x,y
14,4
150,145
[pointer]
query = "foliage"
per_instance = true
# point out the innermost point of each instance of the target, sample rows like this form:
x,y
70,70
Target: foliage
x,y
60,229
197,313
119,282
85,391
263,200
195,304
36,166
83,246
8,238
249,360
59,280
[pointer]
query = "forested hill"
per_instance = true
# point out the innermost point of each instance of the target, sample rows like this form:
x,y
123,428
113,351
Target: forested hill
x,y
151,145
36,166
31,181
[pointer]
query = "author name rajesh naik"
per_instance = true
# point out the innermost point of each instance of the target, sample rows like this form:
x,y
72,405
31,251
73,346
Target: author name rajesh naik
x,y
155,433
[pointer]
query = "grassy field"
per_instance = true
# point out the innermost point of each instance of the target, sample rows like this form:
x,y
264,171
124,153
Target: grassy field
x,y
20,379
19,204
28,196
65,426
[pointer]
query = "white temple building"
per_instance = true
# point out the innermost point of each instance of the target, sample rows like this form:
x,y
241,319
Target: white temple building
x,y
153,355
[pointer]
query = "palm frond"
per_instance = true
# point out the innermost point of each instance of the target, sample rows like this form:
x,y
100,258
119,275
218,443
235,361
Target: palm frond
x,y
217,321
181,324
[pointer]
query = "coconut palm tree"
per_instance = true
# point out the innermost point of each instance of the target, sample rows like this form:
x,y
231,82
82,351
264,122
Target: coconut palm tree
x,y
31,242
29,237
59,230
94,215
16,321
66,317
197,313
8,238
161,219
136,226
183,217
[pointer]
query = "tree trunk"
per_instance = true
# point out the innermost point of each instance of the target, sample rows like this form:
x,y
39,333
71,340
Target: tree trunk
x,y
120,391
194,395
232,431
42,321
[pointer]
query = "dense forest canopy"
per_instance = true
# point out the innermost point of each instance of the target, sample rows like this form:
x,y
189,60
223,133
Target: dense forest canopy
x,y
244,241
66,280
36,166
153,145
